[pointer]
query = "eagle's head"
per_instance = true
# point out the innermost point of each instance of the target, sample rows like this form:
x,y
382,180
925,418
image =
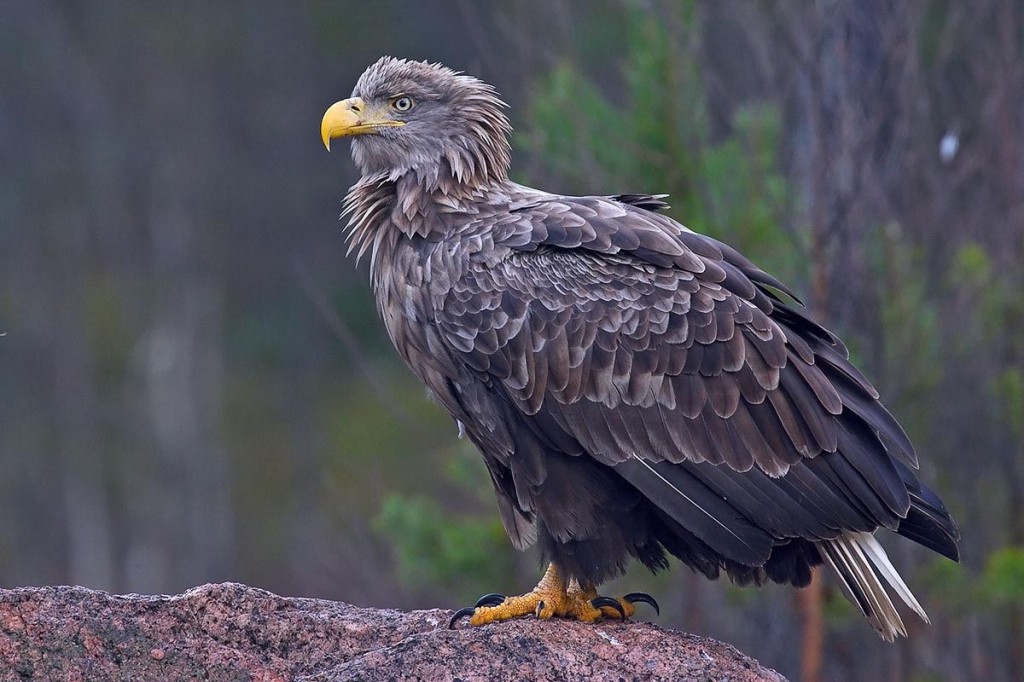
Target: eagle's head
x,y
415,117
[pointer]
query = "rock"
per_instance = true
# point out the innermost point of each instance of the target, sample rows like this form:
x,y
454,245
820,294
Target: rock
x,y
235,632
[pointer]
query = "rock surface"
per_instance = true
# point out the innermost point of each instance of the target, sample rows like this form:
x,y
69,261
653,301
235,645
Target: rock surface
x,y
235,632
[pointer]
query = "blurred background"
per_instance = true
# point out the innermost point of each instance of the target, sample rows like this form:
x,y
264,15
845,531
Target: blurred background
x,y
196,384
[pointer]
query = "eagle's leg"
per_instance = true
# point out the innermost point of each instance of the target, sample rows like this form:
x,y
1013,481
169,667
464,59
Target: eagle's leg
x,y
553,596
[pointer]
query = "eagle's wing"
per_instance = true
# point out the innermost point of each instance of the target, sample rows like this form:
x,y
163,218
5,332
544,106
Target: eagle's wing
x,y
614,332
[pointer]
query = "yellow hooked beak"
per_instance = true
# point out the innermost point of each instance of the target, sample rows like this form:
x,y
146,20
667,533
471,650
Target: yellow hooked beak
x,y
351,117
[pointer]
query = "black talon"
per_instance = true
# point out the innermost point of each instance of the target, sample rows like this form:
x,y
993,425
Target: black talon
x,y
634,597
539,608
461,613
492,599
598,602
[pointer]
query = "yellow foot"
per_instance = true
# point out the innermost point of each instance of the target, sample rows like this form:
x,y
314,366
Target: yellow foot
x,y
553,596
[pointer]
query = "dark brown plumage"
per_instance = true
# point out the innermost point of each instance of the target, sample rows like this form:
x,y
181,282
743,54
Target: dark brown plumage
x,y
635,388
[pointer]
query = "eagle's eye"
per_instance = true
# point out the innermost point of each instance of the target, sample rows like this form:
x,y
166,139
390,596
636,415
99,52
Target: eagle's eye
x,y
403,103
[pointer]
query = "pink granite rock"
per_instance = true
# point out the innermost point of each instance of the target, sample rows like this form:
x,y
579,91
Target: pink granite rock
x,y
235,632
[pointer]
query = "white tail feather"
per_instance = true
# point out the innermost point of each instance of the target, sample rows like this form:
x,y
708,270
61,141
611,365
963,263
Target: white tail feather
x,y
861,565
881,561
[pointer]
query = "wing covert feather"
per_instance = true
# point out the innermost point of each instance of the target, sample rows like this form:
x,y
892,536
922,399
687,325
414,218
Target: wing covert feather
x,y
644,341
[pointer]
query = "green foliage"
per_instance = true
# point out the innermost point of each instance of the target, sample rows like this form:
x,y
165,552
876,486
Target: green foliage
x,y
397,436
438,549
911,339
575,130
962,591
1002,582
434,547
654,136
466,471
746,194
998,303
949,584
839,611
971,266
998,309
1010,389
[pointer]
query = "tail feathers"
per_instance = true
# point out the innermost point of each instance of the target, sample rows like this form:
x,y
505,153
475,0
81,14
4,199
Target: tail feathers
x,y
928,522
927,528
864,570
